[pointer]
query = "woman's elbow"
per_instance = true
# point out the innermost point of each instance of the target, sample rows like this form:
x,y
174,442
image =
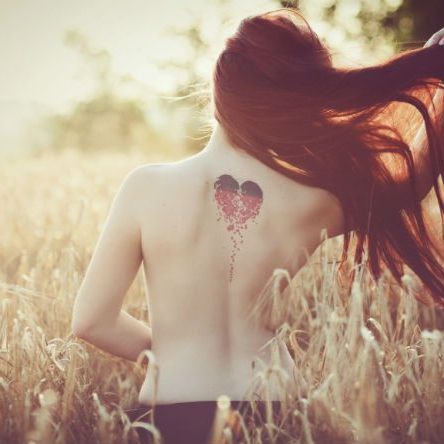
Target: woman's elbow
x,y
80,328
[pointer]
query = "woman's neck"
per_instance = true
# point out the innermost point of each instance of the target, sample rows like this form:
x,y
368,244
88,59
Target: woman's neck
x,y
219,145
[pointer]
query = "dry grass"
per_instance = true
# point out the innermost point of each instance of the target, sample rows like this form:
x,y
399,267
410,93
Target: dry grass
x,y
370,363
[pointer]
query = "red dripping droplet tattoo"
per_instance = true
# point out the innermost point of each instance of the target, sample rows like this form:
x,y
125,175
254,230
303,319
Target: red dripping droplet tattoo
x,y
236,206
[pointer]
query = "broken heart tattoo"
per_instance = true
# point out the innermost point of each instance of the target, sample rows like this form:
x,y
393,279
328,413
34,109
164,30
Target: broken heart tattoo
x,y
237,204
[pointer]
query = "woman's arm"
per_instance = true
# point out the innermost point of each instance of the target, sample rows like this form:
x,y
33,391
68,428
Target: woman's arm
x,y
420,150
124,336
98,317
425,175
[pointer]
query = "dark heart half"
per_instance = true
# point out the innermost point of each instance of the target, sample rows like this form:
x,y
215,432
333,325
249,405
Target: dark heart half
x,y
229,183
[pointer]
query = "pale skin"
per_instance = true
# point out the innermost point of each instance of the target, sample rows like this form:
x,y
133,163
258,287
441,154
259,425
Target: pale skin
x,y
164,218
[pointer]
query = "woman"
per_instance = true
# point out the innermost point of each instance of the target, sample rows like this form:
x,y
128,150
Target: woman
x,y
298,146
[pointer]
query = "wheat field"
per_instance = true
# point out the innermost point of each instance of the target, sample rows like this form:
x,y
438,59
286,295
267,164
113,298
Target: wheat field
x,y
371,363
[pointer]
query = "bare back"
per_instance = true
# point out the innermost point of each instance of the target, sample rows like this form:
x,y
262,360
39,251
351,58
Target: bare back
x,y
213,233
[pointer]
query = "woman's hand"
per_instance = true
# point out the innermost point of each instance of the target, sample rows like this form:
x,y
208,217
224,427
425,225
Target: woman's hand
x,y
436,38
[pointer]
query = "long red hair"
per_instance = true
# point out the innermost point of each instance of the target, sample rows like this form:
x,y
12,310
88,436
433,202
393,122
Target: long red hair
x,y
278,96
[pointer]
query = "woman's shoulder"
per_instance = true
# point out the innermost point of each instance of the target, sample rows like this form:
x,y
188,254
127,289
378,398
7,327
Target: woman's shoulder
x,y
140,181
159,169
142,174
151,179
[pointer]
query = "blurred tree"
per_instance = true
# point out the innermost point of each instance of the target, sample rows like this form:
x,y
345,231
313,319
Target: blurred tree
x,y
380,26
414,22
351,28
105,120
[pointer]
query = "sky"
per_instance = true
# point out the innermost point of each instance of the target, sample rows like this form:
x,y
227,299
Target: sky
x,y
41,74
38,66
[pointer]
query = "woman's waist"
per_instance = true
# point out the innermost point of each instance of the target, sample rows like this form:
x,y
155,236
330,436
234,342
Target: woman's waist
x,y
176,378
222,362
212,350
200,370
168,391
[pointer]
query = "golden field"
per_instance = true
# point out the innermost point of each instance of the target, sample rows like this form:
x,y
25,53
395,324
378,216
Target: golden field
x,y
371,363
